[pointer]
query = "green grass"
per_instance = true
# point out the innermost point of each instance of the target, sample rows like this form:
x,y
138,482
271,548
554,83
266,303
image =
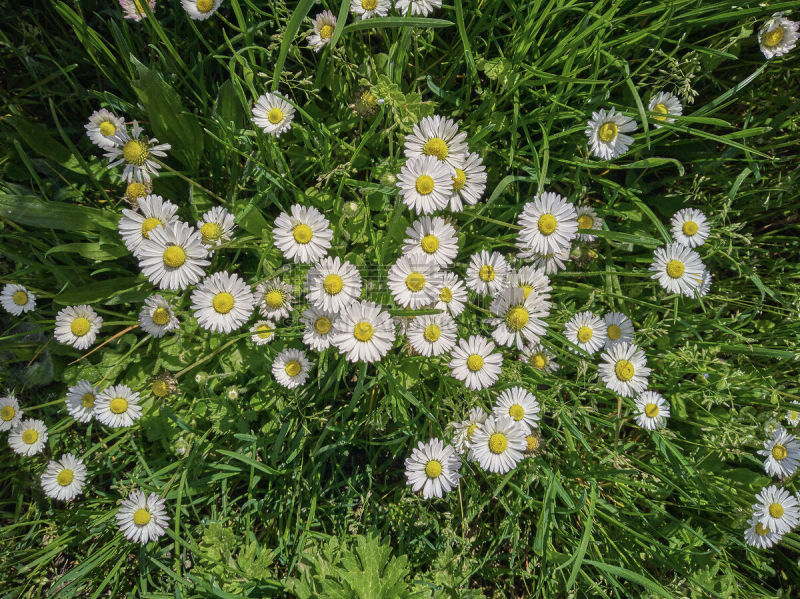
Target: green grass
x,y
276,485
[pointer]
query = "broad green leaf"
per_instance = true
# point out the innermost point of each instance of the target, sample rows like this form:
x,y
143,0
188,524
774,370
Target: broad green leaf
x,y
33,212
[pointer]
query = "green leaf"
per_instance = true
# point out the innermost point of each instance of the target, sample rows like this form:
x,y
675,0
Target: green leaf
x,y
38,137
33,212
288,37
93,251
88,293
378,22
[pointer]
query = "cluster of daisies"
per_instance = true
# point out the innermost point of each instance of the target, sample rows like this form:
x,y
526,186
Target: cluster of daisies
x,y
199,10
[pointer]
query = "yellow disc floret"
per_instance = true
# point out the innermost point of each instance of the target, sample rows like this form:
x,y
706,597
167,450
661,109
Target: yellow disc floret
x,y
624,370
204,5
584,334
614,332
415,281
773,37
761,529
532,442
433,468
30,436
498,443
363,331
486,273
446,295
432,332
80,326
538,360
107,128
141,517
675,269
322,325
20,298
148,225
424,184
585,221
293,368
369,4
210,232
223,302
662,112
779,452
333,284
174,256
689,228
302,234
135,152
607,131
160,388
65,477
517,412
325,32
475,362
547,224
436,146
429,243
275,116
775,510
7,413
160,316
264,332
459,180
651,410
274,299
516,318
87,401
118,405
135,190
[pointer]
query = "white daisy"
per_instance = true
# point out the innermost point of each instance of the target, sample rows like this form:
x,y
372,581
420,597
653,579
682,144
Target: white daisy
x,y
425,184
782,452
432,239
587,331
274,299
705,285
619,329
664,106
217,226
588,220
64,479
778,36
624,369
142,518
418,7
366,9
136,152
157,318
117,406
414,281
539,358
690,227
438,137
28,437
531,279
793,417
549,223
760,536
10,413
652,410
519,405
77,326
333,284
606,132
452,294
134,9
518,319
364,332
135,191
323,25
549,263
16,299
173,257
223,302
475,362
465,429
290,368
135,225
273,114
200,10
677,269
487,273
318,331
80,401
262,332
432,335
305,236
498,444
433,469
102,128
777,509
469,182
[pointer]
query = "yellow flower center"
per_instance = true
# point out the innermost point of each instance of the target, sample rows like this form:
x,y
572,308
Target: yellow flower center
x,y
332,284
274,299
293,368
432,332
516,318
774,37
322,325
761,529
363,331
302,234
794,414
325,32
433,468
651,410
624,370
585,221
526,290
614,332
776,510
430,243
204,5
160,388
30,436
474,362
211,232
223,302
20,298
446,295
675,268
486,273
517,412
538,360
607,131
135,152
264,332
779,452
135,190
174,256
148,225
436,146
584,334
547,224
533,443
118,405
275,115
7,413
459,180
662,111
87,401
108,128
498,443
471,430
424,184
160,316
80,326
689,228
141,517
369,4
415,281
65,477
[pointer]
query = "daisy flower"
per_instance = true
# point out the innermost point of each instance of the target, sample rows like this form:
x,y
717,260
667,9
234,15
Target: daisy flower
x,y
134,9
793,417
498,444
438,137
10,413
290,368
323,25
366,9
587,331
531,279
418,7
431,239
433,469
652,410
690,227
760,536
624,369
318,330
465,430
363,332
782,452
136,152
174,256
305,236
273,114
665,106
77,326
102,128
200,10
549,223
80,401
519,405
16,299
262,332
533,443
777,509
619,329
425,184
142,518
474,362
28,437
64,479
157,317
333,284
677,269
705,285
135,225
413,282
548,263
518,318
274,299
778,36
539,358
606,132
487,273
432,335
588,220
452,294
117,406
222,303
469,182
217,226
135,191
